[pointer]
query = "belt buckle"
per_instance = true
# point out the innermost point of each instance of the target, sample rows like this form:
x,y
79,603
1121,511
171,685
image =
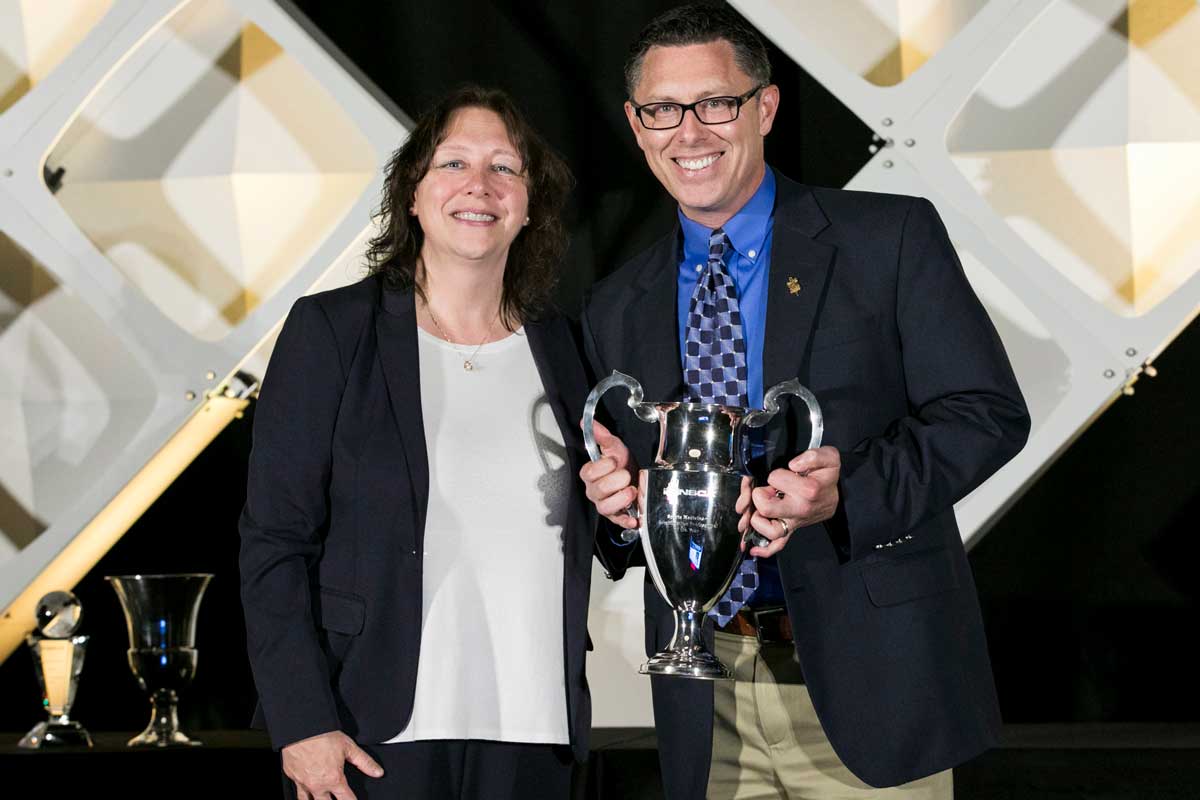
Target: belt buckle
x,y
762,615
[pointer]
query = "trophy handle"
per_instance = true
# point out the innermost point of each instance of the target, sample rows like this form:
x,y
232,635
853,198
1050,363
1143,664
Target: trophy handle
x,y
645,412
756,419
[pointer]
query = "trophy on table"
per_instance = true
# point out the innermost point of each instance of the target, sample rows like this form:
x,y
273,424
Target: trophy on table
x,y
57,662
160,615
686,507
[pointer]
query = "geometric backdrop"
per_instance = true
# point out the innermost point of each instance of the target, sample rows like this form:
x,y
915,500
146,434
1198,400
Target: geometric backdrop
x,y
172,177
1060,140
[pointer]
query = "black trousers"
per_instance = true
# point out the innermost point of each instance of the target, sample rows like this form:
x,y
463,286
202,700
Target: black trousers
x,y
458,769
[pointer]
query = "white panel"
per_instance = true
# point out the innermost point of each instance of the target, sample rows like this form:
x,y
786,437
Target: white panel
x,y
181,127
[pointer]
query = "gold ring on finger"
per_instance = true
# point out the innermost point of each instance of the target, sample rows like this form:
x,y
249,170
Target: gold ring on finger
x,y
784,525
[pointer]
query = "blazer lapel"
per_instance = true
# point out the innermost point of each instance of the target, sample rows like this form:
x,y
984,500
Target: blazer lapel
x,y
396,330
564,381
653,332
796,286
556,359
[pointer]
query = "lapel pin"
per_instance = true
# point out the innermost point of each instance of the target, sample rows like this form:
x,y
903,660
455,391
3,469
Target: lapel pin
x,y
793,285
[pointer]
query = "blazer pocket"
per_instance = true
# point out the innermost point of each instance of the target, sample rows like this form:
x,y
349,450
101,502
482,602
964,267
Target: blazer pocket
x,y
844,333
909,577
340,612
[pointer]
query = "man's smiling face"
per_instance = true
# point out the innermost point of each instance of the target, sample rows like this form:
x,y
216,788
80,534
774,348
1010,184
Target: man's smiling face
x,y
710,170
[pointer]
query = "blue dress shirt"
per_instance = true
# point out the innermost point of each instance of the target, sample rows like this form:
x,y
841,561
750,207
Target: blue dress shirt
x,y
750,232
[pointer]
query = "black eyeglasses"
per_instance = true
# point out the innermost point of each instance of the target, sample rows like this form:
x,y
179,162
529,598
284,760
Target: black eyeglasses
x,y
710,111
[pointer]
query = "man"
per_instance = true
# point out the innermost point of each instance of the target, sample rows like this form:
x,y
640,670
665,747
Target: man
x,y
873,669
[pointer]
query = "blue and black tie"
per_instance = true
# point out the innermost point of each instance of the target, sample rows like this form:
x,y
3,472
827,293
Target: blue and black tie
x,y
714,370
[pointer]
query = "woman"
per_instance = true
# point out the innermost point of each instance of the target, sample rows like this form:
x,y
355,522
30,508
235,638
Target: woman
x,y
415,554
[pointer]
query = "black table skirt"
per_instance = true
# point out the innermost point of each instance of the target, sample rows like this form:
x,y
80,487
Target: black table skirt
x,y
1036,762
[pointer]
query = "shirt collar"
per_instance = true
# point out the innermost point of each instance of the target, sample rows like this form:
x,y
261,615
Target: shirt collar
x,y
747,229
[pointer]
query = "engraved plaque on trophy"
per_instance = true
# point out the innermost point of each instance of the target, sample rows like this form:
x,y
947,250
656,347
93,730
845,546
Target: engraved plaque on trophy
x,y
57,662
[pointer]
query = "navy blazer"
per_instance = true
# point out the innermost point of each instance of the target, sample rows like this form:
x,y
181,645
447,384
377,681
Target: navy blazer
x,y
334,524
868,305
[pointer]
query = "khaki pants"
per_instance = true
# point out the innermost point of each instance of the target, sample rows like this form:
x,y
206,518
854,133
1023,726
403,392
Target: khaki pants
x,y
767,742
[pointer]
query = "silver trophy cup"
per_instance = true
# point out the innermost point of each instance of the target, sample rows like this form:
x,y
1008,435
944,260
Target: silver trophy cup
x,y
686,508
160,615
57,662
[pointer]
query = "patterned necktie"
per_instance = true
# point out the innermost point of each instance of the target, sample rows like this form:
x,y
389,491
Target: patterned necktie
x,y
714,369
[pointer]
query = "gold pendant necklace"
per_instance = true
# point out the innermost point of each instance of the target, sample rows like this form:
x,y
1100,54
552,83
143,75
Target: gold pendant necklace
x,y
468,361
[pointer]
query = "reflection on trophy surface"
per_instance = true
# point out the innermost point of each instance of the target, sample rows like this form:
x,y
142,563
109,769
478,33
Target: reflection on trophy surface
x,y
57,662
687,507
160,614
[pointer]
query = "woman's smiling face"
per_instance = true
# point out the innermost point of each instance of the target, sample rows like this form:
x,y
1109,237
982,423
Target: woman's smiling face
x,y
473,200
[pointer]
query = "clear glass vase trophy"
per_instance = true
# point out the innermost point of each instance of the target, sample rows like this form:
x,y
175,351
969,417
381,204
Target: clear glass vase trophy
x,y
160,614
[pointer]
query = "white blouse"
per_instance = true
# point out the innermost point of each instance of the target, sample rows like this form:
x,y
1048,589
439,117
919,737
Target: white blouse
x,y
491,661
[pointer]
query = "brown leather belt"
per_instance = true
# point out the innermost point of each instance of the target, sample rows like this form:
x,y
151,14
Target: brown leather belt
x,y
768,625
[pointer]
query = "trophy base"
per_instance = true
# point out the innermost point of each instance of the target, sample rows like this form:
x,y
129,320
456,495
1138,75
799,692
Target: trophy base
x,y
155,739
701,665
52,734
163,729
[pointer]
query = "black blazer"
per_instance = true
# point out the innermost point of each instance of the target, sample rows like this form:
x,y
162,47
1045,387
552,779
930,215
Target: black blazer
x,y
920,400
334,523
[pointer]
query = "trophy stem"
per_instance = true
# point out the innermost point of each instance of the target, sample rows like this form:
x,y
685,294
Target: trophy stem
x,y
687,655
163,730
687,631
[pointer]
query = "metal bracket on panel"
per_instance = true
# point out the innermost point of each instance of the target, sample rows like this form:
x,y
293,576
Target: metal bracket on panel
x,y
238,386
1131,377
879,142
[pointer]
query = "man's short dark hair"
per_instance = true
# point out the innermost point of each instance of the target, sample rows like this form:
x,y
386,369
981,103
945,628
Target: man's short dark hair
x,y
700,24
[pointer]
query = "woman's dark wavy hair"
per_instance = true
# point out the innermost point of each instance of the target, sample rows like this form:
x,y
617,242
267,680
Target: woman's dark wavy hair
x,y
531,273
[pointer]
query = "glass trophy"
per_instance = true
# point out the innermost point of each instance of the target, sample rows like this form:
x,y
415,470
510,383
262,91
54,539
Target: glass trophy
x,y
160,616
57,662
